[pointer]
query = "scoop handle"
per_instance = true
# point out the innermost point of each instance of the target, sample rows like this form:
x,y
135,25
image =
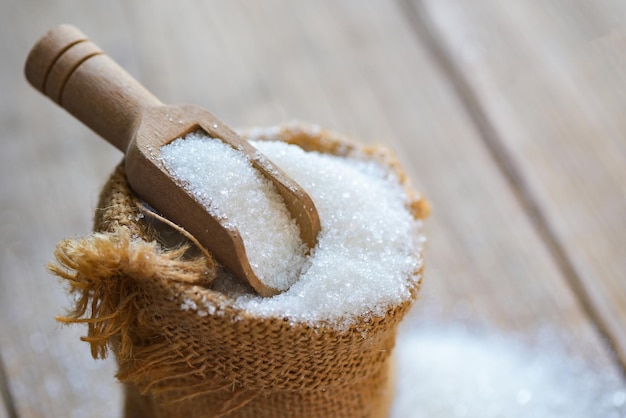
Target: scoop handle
x,y
74,72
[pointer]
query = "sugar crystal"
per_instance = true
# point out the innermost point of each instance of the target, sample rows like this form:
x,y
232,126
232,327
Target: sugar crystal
x,y
369,248
455,371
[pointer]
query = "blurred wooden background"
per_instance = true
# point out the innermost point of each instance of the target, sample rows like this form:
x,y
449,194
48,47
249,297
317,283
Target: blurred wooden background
x,y
509,116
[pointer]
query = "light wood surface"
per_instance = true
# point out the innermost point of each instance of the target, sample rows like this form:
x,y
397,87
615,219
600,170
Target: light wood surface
x,y
549,78
507,116
6,407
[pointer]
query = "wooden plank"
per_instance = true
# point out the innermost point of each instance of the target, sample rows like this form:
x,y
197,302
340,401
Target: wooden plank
x,y
4,410
50,182
351,66
549,76
7,409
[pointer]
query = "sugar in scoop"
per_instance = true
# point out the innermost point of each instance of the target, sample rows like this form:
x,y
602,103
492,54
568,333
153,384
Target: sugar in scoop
x,y
233,191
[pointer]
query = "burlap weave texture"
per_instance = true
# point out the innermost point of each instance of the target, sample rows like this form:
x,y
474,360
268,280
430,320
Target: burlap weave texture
x,y
222,362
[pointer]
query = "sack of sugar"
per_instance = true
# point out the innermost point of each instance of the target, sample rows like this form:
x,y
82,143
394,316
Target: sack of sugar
x,y
191,340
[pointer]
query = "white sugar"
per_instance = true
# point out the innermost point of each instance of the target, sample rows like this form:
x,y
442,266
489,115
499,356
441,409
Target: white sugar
x,y
453,372
368,249
224,181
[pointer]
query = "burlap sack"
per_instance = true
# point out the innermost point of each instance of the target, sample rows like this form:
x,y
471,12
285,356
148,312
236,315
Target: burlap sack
x,y
217,362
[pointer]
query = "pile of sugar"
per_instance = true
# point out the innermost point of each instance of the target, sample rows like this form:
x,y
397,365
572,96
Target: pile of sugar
x,y
224,181
368,251
453,372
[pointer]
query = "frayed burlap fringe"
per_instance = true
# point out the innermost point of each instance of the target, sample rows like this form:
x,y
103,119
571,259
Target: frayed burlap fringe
x,y
211,359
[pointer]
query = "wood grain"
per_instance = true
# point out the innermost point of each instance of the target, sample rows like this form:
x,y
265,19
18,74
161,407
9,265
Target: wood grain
x,y
46,159
7,409
355,67
549,76
4,411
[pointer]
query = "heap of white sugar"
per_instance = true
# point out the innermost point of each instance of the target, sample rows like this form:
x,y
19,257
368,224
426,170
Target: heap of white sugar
x,y
369,248
449,372
224,181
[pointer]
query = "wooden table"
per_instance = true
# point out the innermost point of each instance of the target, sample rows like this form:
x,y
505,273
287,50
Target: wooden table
x,y
509,116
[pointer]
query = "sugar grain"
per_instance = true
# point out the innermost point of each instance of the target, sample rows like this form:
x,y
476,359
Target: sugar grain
x,y
453,371
369,248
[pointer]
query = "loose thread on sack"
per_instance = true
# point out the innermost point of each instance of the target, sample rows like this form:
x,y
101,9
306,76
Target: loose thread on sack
x,y
103,267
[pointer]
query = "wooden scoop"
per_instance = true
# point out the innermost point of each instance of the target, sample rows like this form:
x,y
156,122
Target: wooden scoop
x,y
65,66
